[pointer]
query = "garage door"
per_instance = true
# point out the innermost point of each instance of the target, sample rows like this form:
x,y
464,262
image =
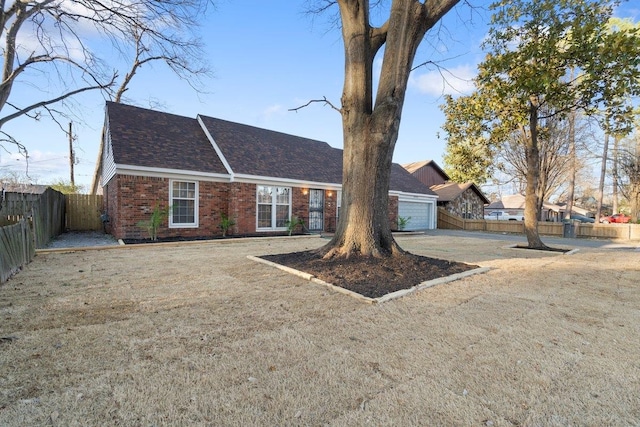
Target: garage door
x,y
420,214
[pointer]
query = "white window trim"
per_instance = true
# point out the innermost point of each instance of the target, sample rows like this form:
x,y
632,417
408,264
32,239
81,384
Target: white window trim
x,y
195,205
273,207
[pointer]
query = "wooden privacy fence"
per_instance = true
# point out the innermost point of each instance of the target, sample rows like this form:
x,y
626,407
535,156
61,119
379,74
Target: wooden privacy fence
x,y
45,210
17,248
446,220
83,212
34,219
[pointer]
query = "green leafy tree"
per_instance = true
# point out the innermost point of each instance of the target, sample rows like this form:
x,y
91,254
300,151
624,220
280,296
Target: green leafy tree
x,y
629,182
611,130
470,152
66,187
525,79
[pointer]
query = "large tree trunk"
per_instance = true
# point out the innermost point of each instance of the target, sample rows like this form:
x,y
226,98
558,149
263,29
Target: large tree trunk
x,y
363,227
573,162
533,172
614,173
371,130
603,172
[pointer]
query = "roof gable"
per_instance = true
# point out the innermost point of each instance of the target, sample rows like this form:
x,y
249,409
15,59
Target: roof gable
x,y
451,190
428,172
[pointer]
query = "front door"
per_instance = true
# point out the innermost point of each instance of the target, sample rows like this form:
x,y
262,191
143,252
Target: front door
x,y
316,210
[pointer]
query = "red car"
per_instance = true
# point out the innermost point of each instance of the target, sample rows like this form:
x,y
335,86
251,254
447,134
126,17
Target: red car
x,y
615,218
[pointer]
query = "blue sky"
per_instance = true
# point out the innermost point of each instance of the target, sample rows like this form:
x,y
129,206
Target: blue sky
x,y
266,57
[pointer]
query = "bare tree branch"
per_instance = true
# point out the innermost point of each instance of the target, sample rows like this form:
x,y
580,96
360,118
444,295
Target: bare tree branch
x,y
50,38
40,104
324,100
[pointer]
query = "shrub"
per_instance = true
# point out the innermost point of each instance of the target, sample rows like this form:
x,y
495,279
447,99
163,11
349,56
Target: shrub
x,y
292,223
155,221
225,223
402,222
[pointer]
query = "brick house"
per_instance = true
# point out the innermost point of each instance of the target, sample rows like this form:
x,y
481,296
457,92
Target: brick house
x,y
205,167
464,200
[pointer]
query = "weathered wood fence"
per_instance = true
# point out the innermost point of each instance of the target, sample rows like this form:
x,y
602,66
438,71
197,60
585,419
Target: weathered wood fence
x,y
29,221
446,220
17,246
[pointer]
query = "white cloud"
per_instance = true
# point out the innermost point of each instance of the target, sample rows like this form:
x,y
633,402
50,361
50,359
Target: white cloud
x,y
444,81
44,165
272,110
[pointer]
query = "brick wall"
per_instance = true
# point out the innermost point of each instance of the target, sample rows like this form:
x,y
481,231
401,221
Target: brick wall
x,y
300,202
330,211
242,207
214,201
131,199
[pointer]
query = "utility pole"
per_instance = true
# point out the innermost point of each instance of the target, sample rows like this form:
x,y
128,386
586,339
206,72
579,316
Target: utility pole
x,y
72,157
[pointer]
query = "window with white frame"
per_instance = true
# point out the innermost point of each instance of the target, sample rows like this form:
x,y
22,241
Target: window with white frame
x,y
183,197
274,207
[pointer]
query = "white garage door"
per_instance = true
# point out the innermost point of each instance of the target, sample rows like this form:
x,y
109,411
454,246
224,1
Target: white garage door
x,y
420,213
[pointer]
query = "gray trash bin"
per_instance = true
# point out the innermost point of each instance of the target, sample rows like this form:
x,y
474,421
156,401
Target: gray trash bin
x,y
568,230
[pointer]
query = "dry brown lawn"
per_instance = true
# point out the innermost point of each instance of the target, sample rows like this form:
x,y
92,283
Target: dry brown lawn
x,y
197,334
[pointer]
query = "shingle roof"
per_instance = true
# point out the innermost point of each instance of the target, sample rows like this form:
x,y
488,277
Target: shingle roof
x,y
261,152
518,201
142,137
401,180
449,191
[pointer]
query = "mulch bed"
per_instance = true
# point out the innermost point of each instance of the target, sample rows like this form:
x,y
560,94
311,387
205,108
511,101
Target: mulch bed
x,y
369,276
141,241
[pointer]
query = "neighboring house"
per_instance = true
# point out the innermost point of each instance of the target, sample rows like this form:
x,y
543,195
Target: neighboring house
x,y
206,167
514,206
576,210
464,200
428,172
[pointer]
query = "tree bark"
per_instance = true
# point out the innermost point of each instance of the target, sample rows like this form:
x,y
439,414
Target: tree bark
x,y
533,171
614,173
370,130
573,162
603,172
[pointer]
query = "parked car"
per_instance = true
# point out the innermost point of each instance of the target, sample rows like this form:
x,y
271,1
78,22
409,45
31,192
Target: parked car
x,y
582,218
502,216
618,218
